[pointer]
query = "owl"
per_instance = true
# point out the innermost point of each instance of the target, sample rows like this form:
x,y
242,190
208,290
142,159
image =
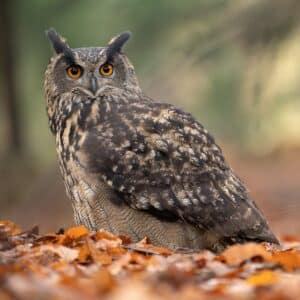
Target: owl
x,y
139,167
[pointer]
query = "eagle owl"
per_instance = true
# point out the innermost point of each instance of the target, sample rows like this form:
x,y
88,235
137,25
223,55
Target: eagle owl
x,y
136,166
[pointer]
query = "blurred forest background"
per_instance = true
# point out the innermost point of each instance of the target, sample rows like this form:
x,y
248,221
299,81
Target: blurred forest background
x,y
238,64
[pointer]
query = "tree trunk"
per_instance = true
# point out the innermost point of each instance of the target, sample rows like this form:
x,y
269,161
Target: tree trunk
x,y
8,59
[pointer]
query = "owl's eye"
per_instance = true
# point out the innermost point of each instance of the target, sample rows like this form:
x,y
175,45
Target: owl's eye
x,y
106,70
74,71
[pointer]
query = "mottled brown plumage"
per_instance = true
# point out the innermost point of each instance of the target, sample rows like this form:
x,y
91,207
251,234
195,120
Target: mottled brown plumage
x,y
138,167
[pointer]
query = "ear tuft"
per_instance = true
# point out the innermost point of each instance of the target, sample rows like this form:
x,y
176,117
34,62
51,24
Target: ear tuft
x,y
115,45
60,45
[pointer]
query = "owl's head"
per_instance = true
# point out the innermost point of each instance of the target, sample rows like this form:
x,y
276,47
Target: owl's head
x,y
87,71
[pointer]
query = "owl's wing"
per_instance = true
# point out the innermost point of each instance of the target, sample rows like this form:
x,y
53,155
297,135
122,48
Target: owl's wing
x,y
161,160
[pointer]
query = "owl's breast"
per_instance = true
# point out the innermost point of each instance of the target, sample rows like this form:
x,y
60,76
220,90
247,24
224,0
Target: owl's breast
x,y
69,140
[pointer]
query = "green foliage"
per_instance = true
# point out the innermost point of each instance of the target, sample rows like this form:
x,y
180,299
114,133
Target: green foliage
x,y
216,38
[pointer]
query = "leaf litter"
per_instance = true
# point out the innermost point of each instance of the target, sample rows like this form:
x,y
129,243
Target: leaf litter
x,y
76,264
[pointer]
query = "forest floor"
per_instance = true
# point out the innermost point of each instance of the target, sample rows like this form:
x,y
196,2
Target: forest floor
x,y
75,264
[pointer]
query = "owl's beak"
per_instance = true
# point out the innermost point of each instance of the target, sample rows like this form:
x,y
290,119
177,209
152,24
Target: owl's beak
x,y
93,86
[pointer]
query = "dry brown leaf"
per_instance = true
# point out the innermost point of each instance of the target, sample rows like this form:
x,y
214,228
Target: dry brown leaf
x,y
84,255
8,228
103,258
66,254
76,233
50,238
108,244
239,253
143,241
137,261
102,234
263,278
149,248
118,265
116,251
125,239
98,256
288,259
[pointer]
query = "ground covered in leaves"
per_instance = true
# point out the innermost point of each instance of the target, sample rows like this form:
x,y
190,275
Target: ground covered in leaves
x,y
75,264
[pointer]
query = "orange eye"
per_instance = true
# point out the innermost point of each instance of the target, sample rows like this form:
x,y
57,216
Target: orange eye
x,y
106,70
74,71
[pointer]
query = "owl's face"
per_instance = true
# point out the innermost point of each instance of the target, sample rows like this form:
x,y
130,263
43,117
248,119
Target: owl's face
x,y
86,71
89,71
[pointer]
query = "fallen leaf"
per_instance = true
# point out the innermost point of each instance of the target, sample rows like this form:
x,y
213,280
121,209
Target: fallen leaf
x,y
50,238
76,233
8,228
66,254
145,247
102,234
288,259
98,256
116,251
239,253
263,278
84,255
125,239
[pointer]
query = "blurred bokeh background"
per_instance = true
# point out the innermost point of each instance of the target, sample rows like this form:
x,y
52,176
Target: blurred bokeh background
x,y
234,64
